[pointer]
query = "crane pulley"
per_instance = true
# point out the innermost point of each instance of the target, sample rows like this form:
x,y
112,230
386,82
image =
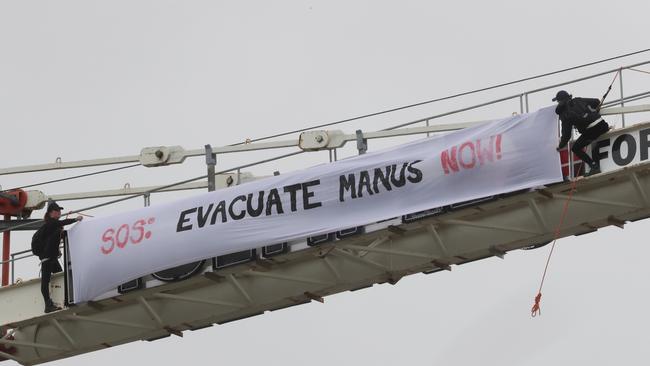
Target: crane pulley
x,y
13,202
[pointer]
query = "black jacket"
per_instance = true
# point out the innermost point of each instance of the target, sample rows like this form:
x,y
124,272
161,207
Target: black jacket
x,y
578,113
52,236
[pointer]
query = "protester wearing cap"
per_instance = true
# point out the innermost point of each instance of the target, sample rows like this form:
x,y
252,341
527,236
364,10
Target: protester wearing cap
x,y
51,236
582,114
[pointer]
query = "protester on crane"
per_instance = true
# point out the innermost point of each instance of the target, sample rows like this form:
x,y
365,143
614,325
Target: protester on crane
x,y
584,115
50,236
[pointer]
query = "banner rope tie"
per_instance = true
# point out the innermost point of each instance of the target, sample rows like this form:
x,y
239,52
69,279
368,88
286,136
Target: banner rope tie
x,y
78,213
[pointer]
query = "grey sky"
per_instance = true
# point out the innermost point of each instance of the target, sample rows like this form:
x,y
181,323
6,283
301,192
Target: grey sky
x,y
90,79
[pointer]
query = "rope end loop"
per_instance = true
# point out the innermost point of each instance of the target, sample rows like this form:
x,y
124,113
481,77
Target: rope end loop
x,y
536,310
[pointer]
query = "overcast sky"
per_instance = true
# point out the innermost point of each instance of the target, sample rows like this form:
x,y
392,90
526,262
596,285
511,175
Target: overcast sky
x,y
89,79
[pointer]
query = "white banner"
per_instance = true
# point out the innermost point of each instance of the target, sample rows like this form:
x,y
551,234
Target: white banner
x,y
493,158
622,148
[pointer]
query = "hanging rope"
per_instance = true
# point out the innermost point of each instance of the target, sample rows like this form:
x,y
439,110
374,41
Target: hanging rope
x,y
609,88
536,309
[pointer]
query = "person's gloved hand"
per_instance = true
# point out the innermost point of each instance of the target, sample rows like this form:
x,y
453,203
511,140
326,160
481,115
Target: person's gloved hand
x,y
558,149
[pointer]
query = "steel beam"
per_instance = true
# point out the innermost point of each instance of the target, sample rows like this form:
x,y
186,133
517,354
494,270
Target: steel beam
x,y
437,240
239,288
332,269
89,319
537,214
486,226
30,344
639,189
286,278
367,262
387,251
12,357
63,332
199,300
377,242
154,316
596,201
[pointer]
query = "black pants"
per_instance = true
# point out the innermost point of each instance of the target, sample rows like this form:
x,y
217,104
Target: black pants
x,y
587,138
47,268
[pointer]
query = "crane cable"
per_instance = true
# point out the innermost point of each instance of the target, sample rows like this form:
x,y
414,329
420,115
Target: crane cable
x,y
72,177
395,109
536,309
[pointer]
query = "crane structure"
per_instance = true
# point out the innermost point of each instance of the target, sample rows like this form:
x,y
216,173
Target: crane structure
x,y
281,275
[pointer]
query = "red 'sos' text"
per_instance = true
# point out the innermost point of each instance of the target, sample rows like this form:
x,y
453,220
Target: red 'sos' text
x,y
125,234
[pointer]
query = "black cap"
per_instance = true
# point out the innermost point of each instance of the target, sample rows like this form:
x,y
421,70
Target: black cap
x,y
53,206
561,96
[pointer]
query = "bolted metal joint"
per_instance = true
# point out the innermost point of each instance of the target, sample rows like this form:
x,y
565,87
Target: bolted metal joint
x,y
161,155
313,140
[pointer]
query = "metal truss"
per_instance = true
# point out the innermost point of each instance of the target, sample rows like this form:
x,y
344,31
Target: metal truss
x,y
381,256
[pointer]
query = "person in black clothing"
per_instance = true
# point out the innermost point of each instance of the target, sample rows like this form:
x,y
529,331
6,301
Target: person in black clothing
x,y
51,234
584,115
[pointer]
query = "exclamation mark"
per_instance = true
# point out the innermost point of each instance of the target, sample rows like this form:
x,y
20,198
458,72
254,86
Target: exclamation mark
x,y
499,147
